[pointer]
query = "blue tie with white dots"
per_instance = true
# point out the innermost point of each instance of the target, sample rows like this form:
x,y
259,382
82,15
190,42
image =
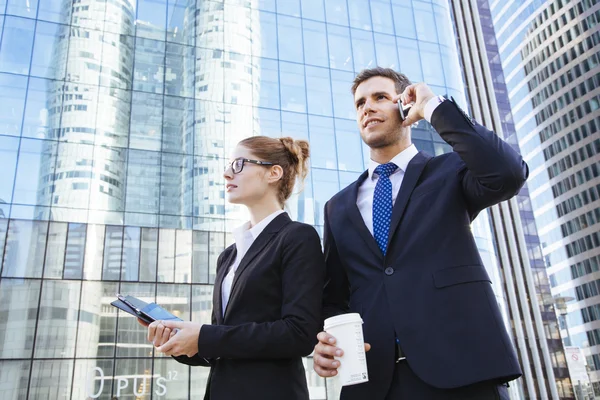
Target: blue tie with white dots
x,y
382,204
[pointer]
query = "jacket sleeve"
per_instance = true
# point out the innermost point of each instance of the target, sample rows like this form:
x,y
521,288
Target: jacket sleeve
x,y
491,171
294,335
336,292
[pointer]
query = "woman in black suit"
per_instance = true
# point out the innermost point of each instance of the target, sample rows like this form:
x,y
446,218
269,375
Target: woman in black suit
x,y
268,288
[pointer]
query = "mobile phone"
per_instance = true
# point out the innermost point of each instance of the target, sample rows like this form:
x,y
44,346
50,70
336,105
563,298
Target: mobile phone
x,y
404,110
156,312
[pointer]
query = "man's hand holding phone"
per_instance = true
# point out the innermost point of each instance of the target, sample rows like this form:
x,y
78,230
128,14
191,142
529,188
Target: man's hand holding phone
x,y
416,96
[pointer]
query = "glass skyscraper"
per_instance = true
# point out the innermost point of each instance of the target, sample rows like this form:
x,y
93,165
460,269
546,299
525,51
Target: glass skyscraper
x,y
549,52
116,121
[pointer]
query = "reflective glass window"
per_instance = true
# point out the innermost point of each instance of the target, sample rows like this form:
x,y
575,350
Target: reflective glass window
x,y
12,103
315,44
268,36
74,251
177,130
349,145
410,61
268,5
179,69
433,73
425,22
93,378
146,121
8,164
148,73
143,181
166,255
290,47
183,256
14,375
360,14
269,83
17,41
340,51
293,90
381,13
57,321
94,251
362,49
17,325
151,19
134,377
215,248
404,21
131,254
54,11
322,140
113,245
42,106
22,8
25,248
200,258
318,90
313,9
343,102
46,61
269,123
176,23
171,379
325,185
386,50
148,254
294,125
443,25
336,12
55,252
288,7
3,229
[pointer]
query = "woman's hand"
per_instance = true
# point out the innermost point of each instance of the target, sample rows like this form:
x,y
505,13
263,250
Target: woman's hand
x,y
181,337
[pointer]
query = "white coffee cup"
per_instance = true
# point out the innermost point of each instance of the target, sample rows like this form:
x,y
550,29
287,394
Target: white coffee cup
x,y
347,330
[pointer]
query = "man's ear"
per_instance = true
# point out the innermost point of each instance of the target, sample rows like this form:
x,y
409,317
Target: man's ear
x,y
275,173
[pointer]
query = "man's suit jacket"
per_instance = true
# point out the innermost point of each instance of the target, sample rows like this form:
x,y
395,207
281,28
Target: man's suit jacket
x,y
272,317
431,289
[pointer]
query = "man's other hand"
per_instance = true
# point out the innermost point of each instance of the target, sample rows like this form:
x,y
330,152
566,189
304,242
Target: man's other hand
x,y
323,362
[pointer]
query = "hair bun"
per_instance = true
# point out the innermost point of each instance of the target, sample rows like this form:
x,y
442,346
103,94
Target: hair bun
x,y
299,149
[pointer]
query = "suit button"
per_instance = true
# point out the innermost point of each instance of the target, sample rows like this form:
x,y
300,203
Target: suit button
x,y
389,271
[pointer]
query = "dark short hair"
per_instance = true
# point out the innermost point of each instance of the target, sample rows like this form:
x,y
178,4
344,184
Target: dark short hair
x,y
401,81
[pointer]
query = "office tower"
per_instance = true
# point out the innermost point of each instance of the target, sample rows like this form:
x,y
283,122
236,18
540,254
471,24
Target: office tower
x,y
549,54
533,322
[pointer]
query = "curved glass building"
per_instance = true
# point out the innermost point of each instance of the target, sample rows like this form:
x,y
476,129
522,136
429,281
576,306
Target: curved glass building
x,y
550,52
116,121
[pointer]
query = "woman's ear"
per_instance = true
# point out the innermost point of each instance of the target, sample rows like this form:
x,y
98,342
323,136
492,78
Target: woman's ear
x,y
275,173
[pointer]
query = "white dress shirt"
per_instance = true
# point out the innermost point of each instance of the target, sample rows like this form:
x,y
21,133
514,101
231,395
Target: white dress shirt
x,y
364,200
244,236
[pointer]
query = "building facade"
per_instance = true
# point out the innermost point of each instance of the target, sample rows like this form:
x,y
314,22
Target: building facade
x,y
532,312
549,52
116,121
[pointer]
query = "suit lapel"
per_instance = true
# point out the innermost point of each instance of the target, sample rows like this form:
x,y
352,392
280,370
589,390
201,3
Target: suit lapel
x,y
411,177
217,298
359,223
257,246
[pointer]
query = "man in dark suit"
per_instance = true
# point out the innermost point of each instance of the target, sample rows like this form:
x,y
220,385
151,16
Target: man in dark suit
x,y
399,251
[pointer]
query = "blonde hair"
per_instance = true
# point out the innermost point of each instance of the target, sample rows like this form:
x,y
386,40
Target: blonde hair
x,y
291,155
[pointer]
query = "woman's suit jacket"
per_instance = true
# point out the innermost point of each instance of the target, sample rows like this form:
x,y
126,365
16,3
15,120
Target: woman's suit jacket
x,y
272,317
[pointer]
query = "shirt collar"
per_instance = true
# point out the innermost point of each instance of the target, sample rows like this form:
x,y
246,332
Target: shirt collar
x,y
401,160
244,233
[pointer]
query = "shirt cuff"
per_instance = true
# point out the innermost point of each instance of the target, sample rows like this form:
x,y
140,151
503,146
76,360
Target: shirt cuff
x,y
431,105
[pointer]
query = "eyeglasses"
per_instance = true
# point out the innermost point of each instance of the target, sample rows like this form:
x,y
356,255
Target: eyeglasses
x,y
237,165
